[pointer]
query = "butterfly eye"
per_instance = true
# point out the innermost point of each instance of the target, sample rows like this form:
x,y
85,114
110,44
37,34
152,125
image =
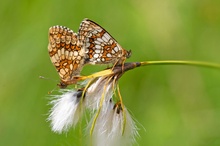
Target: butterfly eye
x,y
128,55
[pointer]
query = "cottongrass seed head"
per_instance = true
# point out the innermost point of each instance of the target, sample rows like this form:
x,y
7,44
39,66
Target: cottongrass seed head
x,y
114,127
66,110
110,125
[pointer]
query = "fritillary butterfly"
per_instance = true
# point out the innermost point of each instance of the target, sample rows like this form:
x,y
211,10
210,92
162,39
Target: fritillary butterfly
x,y
70,51
100,46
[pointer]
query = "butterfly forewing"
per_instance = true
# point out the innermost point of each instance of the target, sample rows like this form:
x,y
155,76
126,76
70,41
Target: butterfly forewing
x,y
65,52
100,46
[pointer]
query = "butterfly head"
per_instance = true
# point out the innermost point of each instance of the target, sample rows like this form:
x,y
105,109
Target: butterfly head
x,y
62,85
128,54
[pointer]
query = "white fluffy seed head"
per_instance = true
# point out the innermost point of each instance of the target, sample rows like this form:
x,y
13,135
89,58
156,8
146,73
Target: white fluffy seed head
x,y
113,129
111,125
66,111
100,88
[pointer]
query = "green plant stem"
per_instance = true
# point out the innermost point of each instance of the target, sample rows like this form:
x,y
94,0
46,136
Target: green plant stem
x,y
180,62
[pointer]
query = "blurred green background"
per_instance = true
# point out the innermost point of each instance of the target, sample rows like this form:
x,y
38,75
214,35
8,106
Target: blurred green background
x,y
174,105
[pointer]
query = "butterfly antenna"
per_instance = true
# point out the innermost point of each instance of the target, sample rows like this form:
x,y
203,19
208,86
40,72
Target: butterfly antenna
x,y
51,91
45,78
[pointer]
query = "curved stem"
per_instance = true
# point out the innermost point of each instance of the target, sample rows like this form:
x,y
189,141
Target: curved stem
x,y
181,62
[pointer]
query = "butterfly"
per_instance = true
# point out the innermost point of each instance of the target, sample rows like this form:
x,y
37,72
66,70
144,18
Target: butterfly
x,y
100,46
70,51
